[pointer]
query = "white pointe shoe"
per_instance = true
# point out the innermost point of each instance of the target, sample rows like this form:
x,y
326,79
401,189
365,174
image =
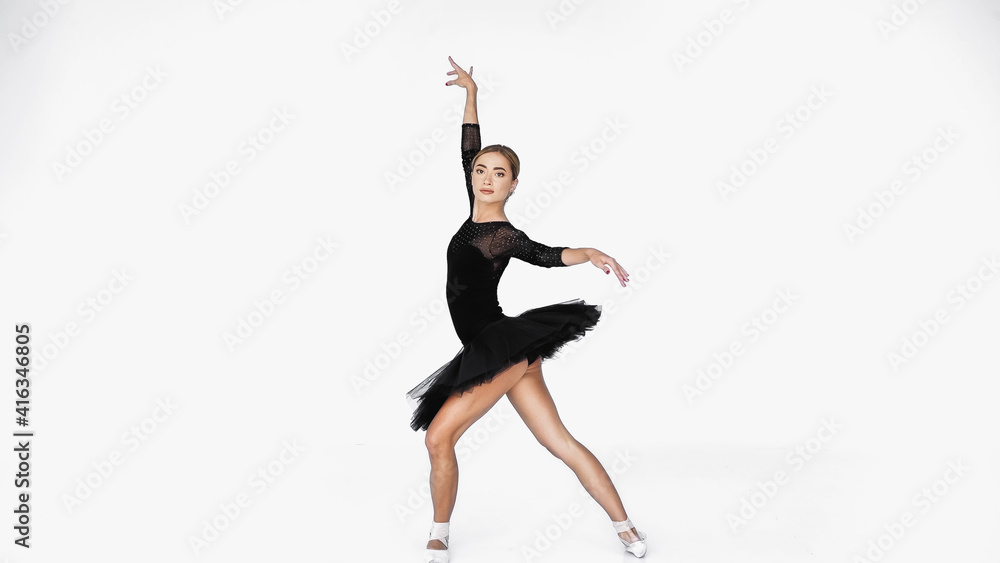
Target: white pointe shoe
x,y
439,531
637,548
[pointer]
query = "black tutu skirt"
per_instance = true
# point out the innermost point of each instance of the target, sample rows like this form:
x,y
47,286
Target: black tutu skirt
x,y
535,333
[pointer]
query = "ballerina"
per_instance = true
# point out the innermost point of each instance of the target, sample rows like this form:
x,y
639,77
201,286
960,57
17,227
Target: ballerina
x,y
502,355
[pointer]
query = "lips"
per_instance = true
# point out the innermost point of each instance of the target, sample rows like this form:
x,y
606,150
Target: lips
x,y
486,191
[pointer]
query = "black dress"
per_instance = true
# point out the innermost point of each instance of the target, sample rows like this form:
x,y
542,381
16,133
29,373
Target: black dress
x,y
492,341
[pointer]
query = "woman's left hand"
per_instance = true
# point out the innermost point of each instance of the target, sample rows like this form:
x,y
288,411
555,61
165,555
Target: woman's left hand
x,y
607,263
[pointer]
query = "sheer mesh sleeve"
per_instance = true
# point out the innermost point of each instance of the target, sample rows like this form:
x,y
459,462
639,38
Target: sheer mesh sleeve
x,y
512,242
470,146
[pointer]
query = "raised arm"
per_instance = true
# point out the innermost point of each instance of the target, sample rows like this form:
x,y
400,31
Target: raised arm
x,y
471,142
470,147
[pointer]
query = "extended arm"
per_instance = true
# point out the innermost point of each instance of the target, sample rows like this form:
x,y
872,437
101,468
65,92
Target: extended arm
x,y
515,243
534,252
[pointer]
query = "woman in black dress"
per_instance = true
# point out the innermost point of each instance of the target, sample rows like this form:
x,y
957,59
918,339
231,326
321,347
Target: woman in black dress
x,y
501,354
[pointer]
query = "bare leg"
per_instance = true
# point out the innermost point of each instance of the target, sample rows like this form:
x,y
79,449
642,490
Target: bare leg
x,y
533,403
457,414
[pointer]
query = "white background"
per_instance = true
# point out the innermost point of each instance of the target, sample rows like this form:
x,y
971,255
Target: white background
x,y
313,396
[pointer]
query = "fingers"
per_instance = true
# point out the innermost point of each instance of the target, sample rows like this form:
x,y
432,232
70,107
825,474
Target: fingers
x,y
457,68
622,275
621,280
612,264
607,267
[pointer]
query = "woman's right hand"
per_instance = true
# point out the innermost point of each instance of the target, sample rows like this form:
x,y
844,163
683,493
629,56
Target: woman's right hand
x,y
462,78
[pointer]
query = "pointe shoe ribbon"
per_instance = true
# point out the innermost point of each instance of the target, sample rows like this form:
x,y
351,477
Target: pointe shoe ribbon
x,y
638,547
439,531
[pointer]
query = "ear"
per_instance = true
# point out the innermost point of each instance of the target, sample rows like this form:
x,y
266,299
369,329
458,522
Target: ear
x,y
513,184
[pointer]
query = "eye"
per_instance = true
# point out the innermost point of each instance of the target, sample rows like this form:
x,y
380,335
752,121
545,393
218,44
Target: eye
x,y
500,174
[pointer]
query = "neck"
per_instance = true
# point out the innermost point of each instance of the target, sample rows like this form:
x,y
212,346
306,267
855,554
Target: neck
x,y
488,212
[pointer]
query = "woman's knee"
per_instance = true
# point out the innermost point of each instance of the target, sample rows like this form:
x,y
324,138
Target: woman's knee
x,y
438,439
560,443
447,427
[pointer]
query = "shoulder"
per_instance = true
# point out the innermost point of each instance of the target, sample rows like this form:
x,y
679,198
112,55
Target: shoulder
x,y
504,231
509,235
508,229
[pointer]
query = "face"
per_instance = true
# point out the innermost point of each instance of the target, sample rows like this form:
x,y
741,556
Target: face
x,y
491,178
